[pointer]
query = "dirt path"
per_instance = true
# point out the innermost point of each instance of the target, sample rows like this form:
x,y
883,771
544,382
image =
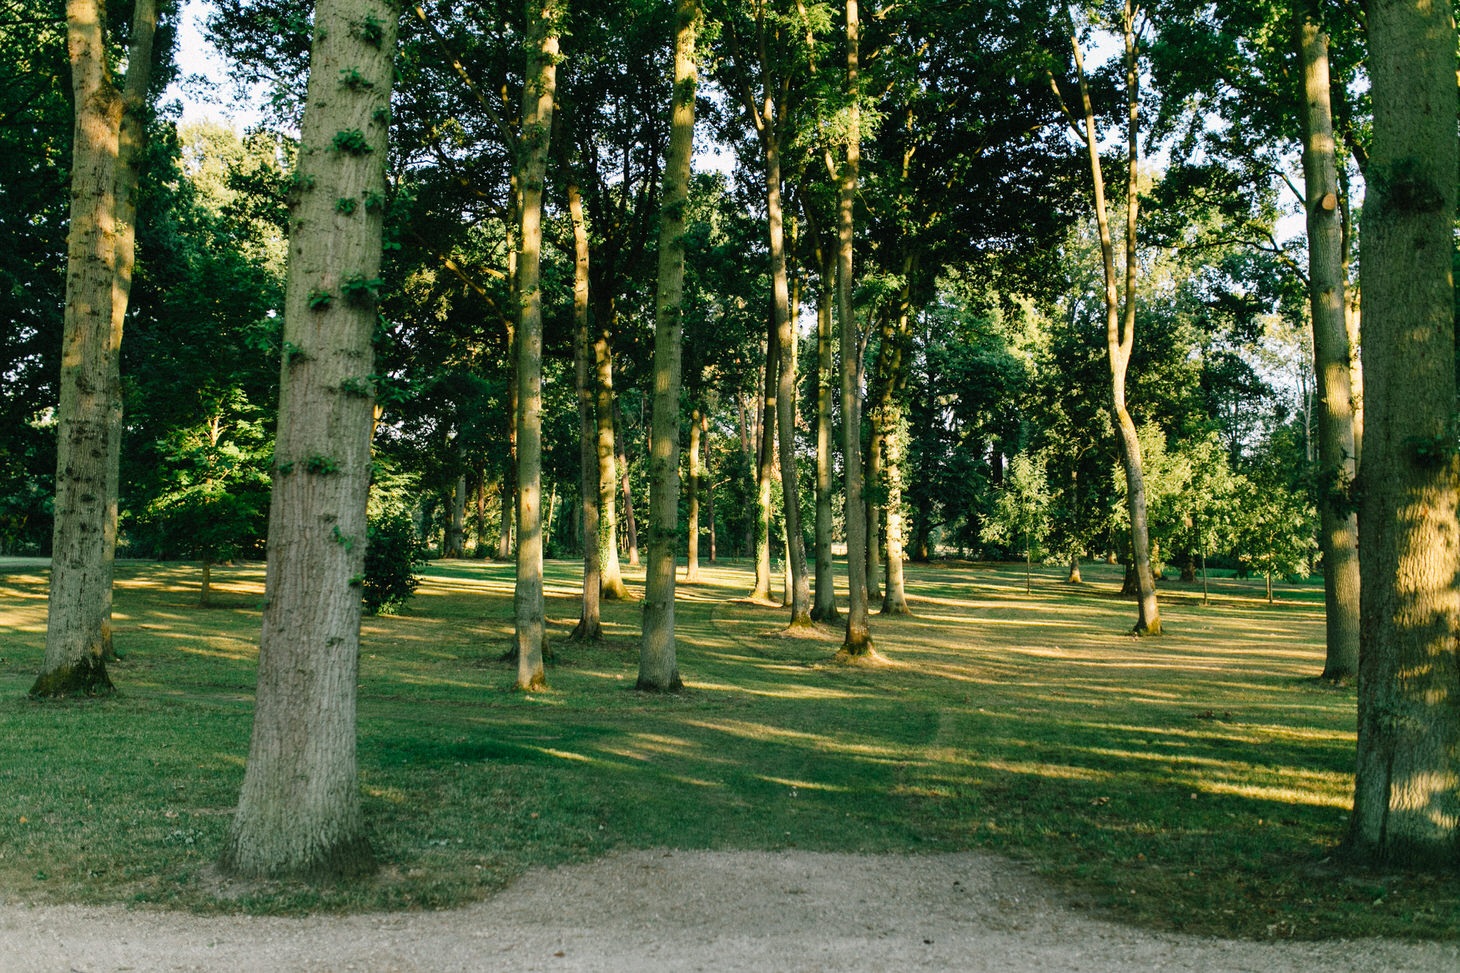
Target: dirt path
x,y
681,911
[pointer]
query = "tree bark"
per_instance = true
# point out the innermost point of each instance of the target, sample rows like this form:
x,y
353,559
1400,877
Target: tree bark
x,y
858,639
299,810
764,471
80,575
543,17
590,625
1120,328
658,668
1332,355
824,608
456,533
1406,798
631,529
612,587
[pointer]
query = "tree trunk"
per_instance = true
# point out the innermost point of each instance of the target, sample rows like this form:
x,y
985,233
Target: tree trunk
x,y
612,587
1338,531
205,590
1074,576
873,501
456,533
543,18
858,639
692,554
823,608
590,626
75,621
894,438
631,529
299,810
1406,799
1120,329
783,334
764,470
658,668
508,492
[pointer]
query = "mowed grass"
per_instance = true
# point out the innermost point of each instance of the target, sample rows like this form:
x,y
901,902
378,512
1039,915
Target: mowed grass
x,y
1198,781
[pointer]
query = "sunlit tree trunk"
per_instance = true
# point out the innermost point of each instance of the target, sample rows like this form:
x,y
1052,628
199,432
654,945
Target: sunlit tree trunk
x,y
858,639
612,587
764,471
1338,533
543,17
1407,791
299,811
658,668
631,530
590,627
456,532
824,607
1120,327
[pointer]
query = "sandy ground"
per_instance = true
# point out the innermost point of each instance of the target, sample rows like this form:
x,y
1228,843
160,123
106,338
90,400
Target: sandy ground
x,y
681,911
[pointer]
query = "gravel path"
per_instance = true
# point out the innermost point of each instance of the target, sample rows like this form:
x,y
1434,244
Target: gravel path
x,y
681,911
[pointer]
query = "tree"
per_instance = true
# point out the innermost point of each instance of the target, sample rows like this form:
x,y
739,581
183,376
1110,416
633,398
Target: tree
x,y
1021,512
1406,801
299,811
98,280
590,627
658,670
1121,321
543,18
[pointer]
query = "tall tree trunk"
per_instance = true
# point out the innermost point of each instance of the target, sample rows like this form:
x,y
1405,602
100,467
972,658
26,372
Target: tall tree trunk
x,y
824,607
456,533
858,639
1406,796
75,622
783,334
1120,328
1339,531
299,810
631,529
508,491
543,17
479,511
590,626
658,669
692,553
874,498
764,471
894,438
132,137
612,587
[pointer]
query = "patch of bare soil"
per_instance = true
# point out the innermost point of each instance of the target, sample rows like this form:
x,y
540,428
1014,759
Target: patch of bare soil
x,y
681,911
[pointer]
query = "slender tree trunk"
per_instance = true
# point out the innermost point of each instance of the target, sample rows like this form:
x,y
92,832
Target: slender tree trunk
x,y
1074,576
783,334
631,528
508,492
299,811
875,492
1120,328
692,558
858,639
543,17
658,668
824,608
456,533
894,436
590,626
764,472
205,591
479,512
612,587
1406,798
1339,531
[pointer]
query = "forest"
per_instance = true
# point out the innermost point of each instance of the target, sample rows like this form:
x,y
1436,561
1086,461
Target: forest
x,y
1156,292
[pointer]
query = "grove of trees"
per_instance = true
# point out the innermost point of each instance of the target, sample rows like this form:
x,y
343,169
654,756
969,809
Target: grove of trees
x,y
759,278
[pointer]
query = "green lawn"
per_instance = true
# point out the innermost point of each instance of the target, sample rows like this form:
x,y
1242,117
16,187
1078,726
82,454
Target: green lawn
x,y
1198,781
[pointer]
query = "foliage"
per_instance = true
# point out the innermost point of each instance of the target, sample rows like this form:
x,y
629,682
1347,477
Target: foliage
x,y
393,553
1020,515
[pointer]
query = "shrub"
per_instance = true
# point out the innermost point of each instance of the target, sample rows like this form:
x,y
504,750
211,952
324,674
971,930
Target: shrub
x,y
392,554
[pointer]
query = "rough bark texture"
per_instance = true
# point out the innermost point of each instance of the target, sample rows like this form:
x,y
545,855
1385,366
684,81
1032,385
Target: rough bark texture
x,y
456,531
858,639
631,530
824,608
80,574
1332,356
590,625
658,670
1120,328
537,118
299,810
1407,792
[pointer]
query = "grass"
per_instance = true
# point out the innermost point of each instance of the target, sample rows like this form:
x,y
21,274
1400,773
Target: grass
x,y
1199,781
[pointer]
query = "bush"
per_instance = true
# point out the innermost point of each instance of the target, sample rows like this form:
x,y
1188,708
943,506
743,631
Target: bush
x,y
392,554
